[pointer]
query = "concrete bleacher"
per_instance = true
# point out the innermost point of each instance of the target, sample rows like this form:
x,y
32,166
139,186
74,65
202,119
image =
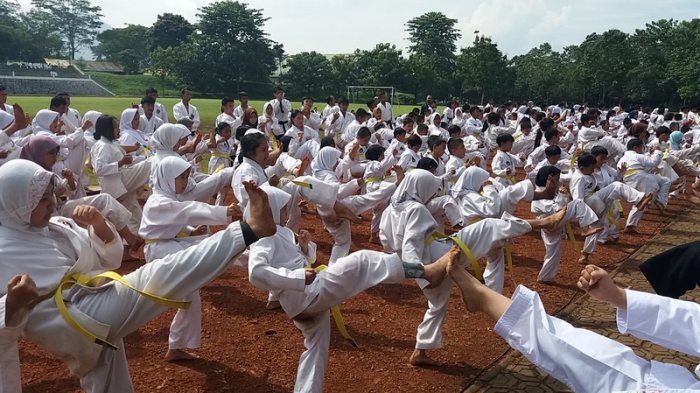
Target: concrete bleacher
x,y
44,79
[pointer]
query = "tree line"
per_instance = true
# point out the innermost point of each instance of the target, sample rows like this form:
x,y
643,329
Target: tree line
x,y
227,50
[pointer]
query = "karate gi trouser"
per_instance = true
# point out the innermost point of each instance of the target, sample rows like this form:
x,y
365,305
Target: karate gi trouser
x,y
646,182
479,237
110,208
583,360
134,178
175,276
213,184
552,240
344,279
445,209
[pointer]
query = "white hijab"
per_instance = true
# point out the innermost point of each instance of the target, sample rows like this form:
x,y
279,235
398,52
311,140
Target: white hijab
x,y
278,200
92,116
126,128
325,161
164,179
167,135
23,185
43,119
419,186
5,120
471,179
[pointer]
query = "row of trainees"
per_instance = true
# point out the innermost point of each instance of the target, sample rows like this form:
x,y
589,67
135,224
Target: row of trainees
x,y
278,261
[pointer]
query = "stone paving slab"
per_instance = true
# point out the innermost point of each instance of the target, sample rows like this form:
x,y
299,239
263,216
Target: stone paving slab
x,y
514,373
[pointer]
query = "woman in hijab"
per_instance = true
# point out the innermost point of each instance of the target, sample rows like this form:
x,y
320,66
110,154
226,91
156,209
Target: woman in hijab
x,y
279,264
61,249
172,221
435,128
42,150
131,135
406,229
542,208
90,116
117,173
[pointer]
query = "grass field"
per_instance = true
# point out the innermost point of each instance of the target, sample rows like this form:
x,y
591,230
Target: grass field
x,y
208,108
134,85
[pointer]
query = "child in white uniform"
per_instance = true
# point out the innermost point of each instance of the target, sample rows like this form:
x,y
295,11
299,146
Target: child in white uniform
x,y
504,163
221,152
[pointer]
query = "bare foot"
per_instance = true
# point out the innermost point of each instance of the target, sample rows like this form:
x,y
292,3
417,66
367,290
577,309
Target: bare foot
x,y
343,212
468,285
436,272
273,305
551,223
21,119
260,219
584,258
662,209
591,231
420,359
641,205
175,355
631,229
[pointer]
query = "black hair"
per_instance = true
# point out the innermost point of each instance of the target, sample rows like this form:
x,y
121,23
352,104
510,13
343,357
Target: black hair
x,y
374,152
414,140
550,133
525,123
242,94
329,99
544,173
493,118
465,108
57,101
427,163
327,141
546,123
586,160
552,150
474,109
663,130
148,100
304,98
398,131
363,132
241,130
343,100
633,143
284,142
249,143
504,138
151,90
183,90
586,118
277,89
627,121
220,128
407,120
599,151
104,127
454,143
454,129
226,100
678,117
361,112
294,114
435,141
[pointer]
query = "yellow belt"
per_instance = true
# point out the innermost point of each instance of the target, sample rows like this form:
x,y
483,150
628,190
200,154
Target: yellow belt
x,y
219,154
463,247
631,172
337,315
84,280
303,184
511,178
178,236
572,239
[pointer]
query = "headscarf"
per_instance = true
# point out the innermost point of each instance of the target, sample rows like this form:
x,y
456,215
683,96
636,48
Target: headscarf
x,y
167,135
164,180
676,139
92,116
325,161
419,186
278,200
43,119
471,179
128,116
544,173
37,148
431,120
23,185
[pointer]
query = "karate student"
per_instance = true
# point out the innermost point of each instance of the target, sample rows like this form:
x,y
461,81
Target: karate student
x,y
185,110
227,114
584,186
492,129
407,224
131,135
149,121
114,167
311,118
410,157
281,108
281,264
398,144
305,139
354,162
253,161
60,248
69,116
158,108
380,162
459,160
474,124
243,106
571,355
330,104
221,152
172,221
435,127
541,208
637,169
387,111
504,163
4,106
43,151
553,158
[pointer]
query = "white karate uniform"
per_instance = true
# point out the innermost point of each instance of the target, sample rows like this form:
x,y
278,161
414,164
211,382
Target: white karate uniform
x,y
503,166
232,121
375,179
409,160
572,355
387,113
180,111
249,170
281,112
149,126
159,111
639,177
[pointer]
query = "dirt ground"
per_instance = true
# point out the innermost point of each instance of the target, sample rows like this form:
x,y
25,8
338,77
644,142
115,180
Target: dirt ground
x,y
246,348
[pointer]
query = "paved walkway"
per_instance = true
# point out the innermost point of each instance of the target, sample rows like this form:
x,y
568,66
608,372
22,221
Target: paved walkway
x,y
514,373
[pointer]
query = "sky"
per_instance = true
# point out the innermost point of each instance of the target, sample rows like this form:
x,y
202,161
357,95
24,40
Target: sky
x,y
341,26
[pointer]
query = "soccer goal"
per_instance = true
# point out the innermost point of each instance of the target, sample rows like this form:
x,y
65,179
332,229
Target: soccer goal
x,y
365,93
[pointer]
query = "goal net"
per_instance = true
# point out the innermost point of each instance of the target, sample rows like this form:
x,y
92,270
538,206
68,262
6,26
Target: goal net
x,y
363,94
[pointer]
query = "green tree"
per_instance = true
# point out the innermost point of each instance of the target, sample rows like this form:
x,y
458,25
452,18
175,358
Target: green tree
x,y
169,30
684,59
127,46
609,57
307,73
538,74
344,73
384,66
482,71
433,37
76,21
